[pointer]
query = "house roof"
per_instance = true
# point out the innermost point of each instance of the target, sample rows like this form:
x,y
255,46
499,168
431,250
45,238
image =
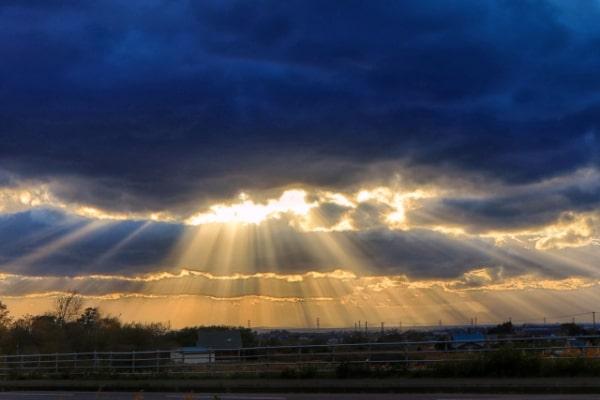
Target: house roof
x,y
219,339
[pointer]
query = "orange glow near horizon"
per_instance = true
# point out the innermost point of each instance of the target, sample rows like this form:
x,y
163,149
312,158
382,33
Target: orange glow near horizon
x,y
338,298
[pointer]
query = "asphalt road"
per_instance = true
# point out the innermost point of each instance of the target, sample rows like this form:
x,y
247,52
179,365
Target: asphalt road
x,y
255,396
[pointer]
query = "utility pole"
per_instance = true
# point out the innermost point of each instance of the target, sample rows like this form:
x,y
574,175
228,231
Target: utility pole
x,y
400,326
249,325
359,325
382,329
440,322
318,323
544,320
366,328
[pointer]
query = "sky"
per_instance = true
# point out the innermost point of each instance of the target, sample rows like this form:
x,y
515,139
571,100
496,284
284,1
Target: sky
x,y
270,163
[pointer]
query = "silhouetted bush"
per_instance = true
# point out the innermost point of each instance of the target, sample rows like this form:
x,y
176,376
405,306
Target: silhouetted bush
x,y
349,370
509,362
572,329
505,328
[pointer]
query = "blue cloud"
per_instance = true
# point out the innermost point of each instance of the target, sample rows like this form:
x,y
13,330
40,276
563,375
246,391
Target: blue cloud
x,y
160,105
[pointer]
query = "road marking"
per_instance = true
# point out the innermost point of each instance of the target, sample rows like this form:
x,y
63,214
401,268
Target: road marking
x,y
201,397
13,394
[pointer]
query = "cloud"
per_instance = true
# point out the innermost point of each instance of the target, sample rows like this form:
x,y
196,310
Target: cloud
x,y
312,285
513,209
572,230
425,233
145,108
46,242
418,139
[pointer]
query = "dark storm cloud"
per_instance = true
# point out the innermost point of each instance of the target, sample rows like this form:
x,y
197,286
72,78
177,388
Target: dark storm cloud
x,y
151,105
534,207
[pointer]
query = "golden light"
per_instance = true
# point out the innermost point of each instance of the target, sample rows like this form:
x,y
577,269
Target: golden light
x,y
246,211
234,262
396,201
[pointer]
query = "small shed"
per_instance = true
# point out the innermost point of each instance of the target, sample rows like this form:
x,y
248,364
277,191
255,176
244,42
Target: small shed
x,y
192,355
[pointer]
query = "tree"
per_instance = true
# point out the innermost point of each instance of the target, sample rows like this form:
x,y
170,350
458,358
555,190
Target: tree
x,y
67,307
572,329
19,336
90,317
505,328
48,335
4,315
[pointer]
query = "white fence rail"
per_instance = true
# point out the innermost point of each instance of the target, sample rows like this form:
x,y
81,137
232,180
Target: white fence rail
x,y
275,359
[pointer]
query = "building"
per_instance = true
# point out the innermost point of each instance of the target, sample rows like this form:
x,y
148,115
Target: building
x,y
219,339
211,344
192,355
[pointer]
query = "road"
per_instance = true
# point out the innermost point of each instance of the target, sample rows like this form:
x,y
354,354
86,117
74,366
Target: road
x,y
255,396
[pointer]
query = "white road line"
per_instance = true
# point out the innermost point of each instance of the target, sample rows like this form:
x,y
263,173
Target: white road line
x,y
251,398
202,397
469,398
13,394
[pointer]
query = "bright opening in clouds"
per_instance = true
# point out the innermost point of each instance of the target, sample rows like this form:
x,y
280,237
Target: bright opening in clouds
x,y
247,212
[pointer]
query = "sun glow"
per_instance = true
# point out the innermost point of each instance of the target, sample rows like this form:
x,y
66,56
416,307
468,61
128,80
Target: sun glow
x,y
246,211
396,201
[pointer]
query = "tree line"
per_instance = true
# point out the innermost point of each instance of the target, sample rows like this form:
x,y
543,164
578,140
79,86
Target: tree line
x,y
71,327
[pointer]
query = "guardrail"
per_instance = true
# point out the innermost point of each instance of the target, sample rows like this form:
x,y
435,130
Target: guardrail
x,y
409,354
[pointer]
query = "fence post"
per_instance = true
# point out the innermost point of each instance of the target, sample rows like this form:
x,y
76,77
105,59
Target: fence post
x,y
267,357
157,361
332,357
133,361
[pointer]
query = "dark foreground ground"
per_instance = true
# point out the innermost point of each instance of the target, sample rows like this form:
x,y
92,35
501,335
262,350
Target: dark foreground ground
x,y
274,396
301,388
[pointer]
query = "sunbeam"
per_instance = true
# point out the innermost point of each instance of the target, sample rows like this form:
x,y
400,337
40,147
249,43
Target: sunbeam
x,y
382,162
117,247
58,244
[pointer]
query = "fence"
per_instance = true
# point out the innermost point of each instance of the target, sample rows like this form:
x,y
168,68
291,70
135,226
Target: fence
x,y
409,354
